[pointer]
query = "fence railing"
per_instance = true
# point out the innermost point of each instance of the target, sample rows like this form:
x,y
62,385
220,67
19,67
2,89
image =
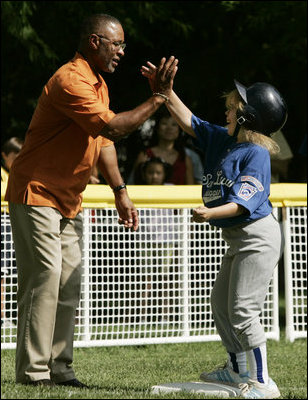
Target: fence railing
x,y
154,285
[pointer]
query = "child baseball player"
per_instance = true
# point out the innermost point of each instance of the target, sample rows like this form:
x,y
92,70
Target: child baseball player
x,y
235,192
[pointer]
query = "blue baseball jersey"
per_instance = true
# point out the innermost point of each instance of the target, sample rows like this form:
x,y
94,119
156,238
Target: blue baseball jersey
x,y
233,172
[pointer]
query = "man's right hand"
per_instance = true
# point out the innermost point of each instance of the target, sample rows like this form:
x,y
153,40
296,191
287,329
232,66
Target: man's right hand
x,y
161,77
128,121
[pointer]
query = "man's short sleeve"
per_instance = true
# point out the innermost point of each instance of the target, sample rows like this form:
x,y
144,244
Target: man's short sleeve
x,y
86,104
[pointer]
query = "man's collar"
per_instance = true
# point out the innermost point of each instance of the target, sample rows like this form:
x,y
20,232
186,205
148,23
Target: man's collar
x,y
93,77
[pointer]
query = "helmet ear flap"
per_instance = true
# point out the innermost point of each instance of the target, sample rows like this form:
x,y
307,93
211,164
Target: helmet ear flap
x,y
250,113
247,115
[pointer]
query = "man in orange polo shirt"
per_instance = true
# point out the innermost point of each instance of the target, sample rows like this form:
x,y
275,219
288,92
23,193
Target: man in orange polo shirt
x,y
71,130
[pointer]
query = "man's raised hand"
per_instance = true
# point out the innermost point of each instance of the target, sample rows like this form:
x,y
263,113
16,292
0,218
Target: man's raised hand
x,y
161,77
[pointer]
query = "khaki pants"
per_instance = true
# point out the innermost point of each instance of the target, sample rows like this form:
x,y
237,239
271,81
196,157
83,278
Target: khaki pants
x,y
48,253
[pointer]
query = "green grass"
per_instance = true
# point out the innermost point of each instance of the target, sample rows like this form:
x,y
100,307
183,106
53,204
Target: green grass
x,y
128,372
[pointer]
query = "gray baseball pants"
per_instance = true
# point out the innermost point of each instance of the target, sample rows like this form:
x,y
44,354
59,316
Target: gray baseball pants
x,y
242,283
48,251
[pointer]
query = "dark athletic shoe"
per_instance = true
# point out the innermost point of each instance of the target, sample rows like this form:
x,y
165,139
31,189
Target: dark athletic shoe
x,y
73,382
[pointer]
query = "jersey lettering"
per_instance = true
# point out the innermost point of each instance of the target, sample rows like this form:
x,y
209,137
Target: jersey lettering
x,y
208,180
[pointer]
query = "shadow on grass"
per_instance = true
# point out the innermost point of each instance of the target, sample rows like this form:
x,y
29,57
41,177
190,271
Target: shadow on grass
x,y
104,388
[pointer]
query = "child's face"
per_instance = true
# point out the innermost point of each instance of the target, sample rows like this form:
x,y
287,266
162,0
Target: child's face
x,y
231,116
154,174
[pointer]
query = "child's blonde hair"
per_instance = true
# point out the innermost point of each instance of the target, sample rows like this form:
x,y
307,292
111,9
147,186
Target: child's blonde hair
x,y
246,135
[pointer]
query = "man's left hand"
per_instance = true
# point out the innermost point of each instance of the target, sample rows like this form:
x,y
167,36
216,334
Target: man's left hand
x,y
128,215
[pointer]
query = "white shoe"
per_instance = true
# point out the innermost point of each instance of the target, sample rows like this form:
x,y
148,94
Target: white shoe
x,y
224,375
256,390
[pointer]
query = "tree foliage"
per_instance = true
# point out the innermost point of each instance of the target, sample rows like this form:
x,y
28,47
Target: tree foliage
x,y
16,18
215,41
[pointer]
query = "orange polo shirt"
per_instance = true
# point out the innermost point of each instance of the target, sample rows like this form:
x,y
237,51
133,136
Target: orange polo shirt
x,y
62,142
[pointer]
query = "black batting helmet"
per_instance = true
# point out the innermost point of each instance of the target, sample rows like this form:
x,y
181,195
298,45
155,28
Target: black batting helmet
x,y
265,111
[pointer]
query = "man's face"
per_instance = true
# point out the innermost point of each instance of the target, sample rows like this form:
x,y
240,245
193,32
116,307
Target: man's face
x,y
109,47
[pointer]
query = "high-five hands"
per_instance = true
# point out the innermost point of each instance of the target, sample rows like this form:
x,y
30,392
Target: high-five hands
x,y
161,77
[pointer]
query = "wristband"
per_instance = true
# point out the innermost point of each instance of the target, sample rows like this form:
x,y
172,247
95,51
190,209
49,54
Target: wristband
x,y
162,95
118,188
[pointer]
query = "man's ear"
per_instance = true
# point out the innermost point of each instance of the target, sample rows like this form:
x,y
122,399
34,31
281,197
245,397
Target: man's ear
x,y
93,42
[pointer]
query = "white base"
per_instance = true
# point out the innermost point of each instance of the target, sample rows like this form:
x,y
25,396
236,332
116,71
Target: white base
x,y
208,389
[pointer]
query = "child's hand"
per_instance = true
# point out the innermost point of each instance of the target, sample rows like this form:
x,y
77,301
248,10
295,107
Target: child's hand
x,y
201,214
161,77
150,73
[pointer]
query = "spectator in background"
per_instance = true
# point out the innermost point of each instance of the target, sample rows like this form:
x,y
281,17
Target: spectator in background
x,y
167,145
128,149
155,171
280,162
10,150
